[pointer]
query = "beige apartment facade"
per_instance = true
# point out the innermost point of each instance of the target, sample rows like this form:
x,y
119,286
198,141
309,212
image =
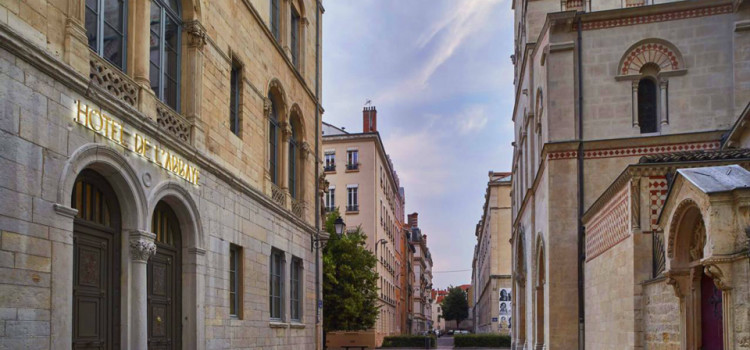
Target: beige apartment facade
x,y
365,189
599,85
491,270
421,316
159,174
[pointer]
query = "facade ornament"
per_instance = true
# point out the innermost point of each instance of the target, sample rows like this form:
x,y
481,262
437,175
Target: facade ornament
x,y
306,150
635,203
196,34
675,283
142,249
720,280
286,129
698,241
267,107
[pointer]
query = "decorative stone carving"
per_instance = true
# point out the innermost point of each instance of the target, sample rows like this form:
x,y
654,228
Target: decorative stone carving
x,y
196,34
267,107
109,78
142,249
720,280
278,195
651,51
173,123
306,150
635,204
298,208
698,241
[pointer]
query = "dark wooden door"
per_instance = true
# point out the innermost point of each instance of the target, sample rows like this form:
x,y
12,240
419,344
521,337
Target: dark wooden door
x,y
712,323
96,264
165,282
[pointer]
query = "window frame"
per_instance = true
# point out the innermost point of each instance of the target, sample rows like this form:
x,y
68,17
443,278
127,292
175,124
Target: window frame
x,y
352,194
275,19
235,289
329,162
331,199
235,96
295,285
293,170
655,86
273,142
279,296
100,23
294,42
352,159
166,10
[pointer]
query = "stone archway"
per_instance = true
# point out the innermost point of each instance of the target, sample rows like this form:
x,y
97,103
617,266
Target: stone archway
x,y
519,291
540,281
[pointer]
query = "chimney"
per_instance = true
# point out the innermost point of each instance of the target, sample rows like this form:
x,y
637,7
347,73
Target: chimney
x,y
424,238
369,119
414,220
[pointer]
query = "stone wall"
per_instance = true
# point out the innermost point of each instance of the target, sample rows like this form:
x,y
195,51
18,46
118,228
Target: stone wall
x,y
661,316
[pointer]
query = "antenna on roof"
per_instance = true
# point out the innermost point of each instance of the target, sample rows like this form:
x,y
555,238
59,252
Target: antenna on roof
x,y
368,102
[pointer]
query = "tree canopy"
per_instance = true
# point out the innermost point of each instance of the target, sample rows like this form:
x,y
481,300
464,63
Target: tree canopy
x,y
455,305
350,290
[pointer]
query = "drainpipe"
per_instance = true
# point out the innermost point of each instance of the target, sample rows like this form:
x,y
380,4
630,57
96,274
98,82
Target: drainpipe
x,y
581,230
318,327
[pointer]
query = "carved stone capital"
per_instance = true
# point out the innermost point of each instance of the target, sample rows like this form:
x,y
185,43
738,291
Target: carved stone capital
x,y
679,282
306,150
142,245
267,107
286,129
197,37
721,276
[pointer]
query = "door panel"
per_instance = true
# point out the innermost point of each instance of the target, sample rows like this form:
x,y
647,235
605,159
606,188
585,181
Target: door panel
x,y
163,300
712,328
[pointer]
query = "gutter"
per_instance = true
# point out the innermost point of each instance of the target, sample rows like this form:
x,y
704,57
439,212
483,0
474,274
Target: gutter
x,y
318,301
581,230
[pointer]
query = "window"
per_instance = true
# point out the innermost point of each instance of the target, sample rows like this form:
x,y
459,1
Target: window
x,y
276,19
353,201
295,37
166,28
331,199
352,158
330,161
295,298
235,280
277,284
105,28
234,99
273,138
293,154
647,105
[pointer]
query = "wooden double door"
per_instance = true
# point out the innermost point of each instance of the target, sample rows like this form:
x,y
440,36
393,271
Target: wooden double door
x,y
97,254
165,282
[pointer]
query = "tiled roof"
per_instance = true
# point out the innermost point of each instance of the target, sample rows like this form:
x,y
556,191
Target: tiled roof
x,y
695,156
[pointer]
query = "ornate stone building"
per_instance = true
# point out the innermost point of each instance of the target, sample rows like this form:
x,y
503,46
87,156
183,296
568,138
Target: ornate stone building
x,y
613,232
158,174
491,267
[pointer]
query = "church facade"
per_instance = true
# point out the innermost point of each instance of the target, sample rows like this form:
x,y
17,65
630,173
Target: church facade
x,y
159,174
619,240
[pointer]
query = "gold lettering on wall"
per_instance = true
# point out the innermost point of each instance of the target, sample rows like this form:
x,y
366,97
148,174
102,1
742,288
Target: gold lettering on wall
x,y
111,129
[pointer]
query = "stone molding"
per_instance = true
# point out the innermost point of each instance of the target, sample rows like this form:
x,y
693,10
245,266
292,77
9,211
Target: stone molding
x,y
65,210
657,17
142,246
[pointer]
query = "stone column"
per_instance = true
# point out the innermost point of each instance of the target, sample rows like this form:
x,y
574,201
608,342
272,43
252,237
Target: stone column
x,y
142,248
635,104
286,134
192,88
663,108
141,40
76,43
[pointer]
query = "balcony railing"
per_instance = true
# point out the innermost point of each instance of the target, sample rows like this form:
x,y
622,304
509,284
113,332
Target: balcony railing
x,y
329,167
278,195
352,208
298,208
352,166
634,3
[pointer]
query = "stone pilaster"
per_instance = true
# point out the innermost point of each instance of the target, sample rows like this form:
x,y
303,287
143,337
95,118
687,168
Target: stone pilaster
x,y
142,248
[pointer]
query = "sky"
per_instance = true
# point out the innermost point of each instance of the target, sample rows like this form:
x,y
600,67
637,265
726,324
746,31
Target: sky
x,y
440,75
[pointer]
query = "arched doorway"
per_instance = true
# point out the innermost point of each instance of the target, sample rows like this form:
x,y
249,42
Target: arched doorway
x,y
712,329
541,277
165,281
96,263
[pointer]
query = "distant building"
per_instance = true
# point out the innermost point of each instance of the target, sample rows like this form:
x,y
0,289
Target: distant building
x,y
365,188
491,267
438,322
422,271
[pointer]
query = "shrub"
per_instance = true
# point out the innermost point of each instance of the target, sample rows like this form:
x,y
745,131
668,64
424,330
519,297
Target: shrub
x,y
481,341
408,341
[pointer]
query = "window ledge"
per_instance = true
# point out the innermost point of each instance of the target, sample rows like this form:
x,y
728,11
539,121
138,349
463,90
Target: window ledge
x,y
297,325
278,324
352,170
353,212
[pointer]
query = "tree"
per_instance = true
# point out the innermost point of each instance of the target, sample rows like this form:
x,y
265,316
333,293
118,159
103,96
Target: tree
x,y
350,290
455,305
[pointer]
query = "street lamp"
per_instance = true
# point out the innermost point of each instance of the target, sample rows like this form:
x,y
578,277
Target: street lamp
x,y
339,226
382,241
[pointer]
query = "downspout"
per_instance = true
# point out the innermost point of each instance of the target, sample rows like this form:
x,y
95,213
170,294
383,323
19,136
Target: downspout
x,y
581,230
318,306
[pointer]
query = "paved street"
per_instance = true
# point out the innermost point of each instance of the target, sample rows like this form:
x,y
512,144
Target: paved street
x,y
445,342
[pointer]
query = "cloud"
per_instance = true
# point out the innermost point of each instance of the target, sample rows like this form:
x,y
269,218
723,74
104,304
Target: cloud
x,y
472,119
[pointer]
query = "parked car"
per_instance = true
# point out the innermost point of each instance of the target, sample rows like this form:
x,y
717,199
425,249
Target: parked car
x,y
450,332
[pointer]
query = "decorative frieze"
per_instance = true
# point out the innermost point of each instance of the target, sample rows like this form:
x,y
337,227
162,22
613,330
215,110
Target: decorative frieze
x,y
636,151
609,227
658,17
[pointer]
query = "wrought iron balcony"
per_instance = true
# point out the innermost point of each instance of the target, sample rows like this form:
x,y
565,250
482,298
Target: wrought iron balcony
x,y
352,208
352,166
329,167
659,261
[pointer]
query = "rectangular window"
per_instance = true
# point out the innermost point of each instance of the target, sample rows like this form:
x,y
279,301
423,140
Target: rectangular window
x,y
352,158
295,37
234,98
277,284
331,199
276,20
330,161
295,297
353,200
235,280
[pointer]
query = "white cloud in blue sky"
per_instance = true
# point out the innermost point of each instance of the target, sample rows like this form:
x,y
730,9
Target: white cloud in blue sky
x,y
440,75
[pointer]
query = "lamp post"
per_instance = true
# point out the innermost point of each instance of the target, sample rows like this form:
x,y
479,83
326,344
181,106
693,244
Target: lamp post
x,y
339,227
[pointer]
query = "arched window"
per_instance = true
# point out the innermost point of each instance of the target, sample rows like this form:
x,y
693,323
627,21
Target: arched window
x,y
293,161
106,23
273,141
647,105
166,29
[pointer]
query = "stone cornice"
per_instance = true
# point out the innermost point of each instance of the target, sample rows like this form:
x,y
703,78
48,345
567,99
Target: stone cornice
x,y
64,74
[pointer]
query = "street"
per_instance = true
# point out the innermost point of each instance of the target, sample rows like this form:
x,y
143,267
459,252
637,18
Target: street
x,y
445,342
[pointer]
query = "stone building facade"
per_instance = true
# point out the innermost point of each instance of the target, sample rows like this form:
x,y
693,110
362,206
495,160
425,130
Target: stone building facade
x,y
159,174
365,188
600,84
421,316
491,268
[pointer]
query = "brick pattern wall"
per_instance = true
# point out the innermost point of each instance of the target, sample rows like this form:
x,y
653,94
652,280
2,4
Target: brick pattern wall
x,y
609,227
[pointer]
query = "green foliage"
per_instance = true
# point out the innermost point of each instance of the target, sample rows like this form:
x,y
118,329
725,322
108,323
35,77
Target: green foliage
x,y
408,341
481,341
350,290
455,306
